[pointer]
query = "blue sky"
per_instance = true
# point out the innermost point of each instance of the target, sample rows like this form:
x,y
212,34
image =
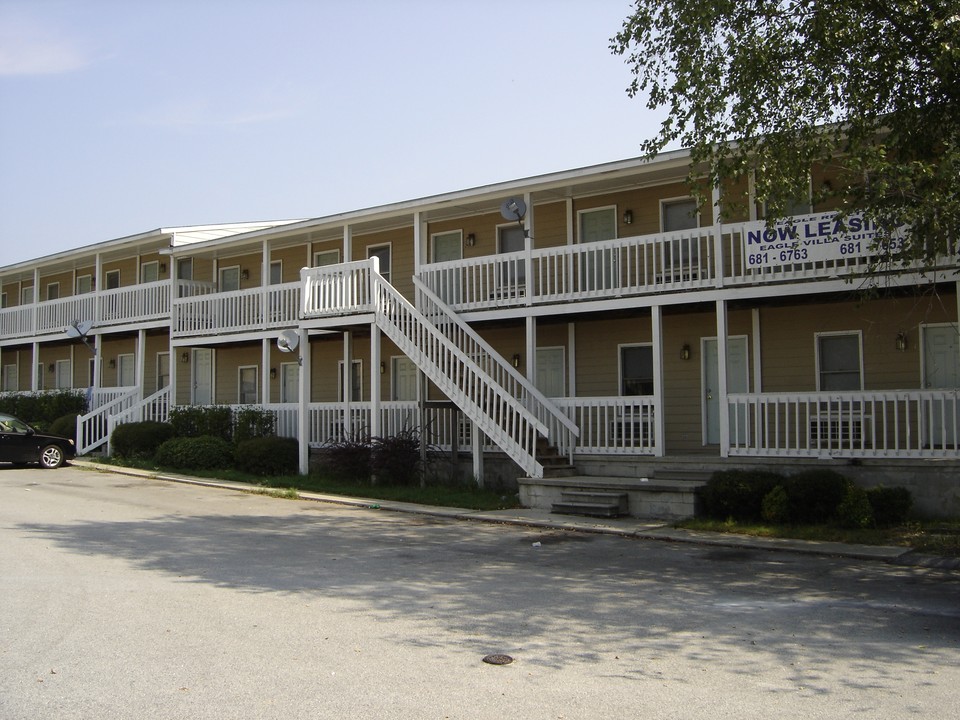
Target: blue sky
x,y
121,116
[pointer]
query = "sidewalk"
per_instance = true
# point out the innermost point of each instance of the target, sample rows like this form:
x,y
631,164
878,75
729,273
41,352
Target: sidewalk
x,y
625,527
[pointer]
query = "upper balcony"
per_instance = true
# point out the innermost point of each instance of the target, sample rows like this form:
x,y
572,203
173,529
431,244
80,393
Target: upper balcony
x,y
803,249
806,249
130,306
199,310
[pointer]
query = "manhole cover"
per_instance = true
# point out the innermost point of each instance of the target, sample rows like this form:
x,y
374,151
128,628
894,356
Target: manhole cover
x,y
498,659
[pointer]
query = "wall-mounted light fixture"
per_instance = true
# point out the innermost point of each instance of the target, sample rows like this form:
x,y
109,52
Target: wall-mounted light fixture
x,y
112,364
163,267
471,240
685,352
516,360
244,274
51,367
628,217
273,373
184,357
383,368
901,342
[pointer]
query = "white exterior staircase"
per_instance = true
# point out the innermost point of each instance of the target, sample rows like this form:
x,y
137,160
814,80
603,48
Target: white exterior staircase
x,y
491,393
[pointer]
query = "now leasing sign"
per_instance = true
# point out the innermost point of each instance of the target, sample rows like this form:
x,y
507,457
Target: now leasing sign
x,y
809,239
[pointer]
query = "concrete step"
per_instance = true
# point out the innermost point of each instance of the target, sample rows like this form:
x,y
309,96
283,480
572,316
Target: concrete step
x,y
637,497
591,503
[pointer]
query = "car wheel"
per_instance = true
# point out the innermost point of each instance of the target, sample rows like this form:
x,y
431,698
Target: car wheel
x,y
51,457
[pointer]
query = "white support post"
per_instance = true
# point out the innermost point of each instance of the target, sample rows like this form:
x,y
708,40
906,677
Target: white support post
x,y
717,237
531,349
347,243
419,246
347,379
571,359
303,415
35,358
476,447
659,434
265,374
141,358
375,380
174,363
757,365
724,413
528,250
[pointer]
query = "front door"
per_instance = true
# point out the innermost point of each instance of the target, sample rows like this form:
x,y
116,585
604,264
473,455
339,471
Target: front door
x,y
941,370
737,382
511,277
404,379
290,383
202,376
550,372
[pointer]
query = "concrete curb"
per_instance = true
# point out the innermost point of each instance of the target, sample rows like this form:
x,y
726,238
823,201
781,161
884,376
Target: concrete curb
x,y
624,527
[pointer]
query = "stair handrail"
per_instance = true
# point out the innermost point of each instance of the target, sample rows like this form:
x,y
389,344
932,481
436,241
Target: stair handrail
x,y
135,413
93,427
497,366
499,414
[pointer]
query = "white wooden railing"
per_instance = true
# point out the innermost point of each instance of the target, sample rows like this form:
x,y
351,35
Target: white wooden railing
x,y
122,306
562,430
608,425
895,423
93,428
613,425
358,287
201,312
707,257
155,408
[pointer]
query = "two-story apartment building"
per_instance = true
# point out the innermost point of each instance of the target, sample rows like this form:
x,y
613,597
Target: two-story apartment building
x,y
596,315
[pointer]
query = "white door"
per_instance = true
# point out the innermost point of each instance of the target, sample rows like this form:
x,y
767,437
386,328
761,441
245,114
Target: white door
x,y
448,247
941,369
404,379
64,374
202,376
163,370
550,372
737,382
126,370
290,383
511,276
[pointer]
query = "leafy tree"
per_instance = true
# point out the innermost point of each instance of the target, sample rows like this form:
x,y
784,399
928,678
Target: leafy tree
x,y
868,87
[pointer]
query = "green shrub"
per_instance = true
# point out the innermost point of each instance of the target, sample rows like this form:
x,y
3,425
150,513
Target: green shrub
x,y
890,505
198,421
65,426
140,440
814,495
347,459
195,453
854,510
395,460
268,456
40,409
737,494
776,506
252,422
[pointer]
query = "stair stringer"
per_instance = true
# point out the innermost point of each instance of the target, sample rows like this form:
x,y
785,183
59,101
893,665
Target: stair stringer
x,y
502,417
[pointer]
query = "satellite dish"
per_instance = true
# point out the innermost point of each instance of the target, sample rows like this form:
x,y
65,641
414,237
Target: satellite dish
x,y
288,341
78,329
513,209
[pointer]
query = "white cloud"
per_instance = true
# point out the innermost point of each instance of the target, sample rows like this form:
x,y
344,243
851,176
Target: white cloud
x,y
27,48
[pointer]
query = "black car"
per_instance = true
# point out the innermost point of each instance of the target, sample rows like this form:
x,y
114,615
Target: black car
x,y
20,444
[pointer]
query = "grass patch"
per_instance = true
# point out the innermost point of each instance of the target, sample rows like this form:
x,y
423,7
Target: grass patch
x,y
462,495
937,537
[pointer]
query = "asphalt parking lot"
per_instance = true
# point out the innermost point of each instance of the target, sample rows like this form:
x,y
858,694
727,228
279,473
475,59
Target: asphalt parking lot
x,y
125,596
